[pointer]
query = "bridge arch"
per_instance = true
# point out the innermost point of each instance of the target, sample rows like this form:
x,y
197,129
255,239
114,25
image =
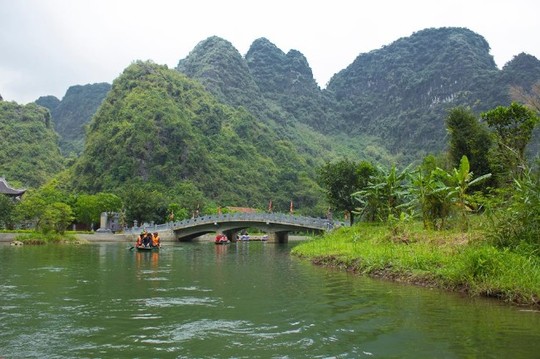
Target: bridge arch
x,y
276,225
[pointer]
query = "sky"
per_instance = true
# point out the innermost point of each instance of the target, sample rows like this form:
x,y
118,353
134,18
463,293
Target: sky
x,y
46,46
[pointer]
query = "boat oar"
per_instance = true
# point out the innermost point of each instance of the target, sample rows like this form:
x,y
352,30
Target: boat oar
x,y
130,248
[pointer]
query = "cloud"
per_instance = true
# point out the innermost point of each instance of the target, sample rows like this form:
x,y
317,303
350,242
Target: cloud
x,y
50,45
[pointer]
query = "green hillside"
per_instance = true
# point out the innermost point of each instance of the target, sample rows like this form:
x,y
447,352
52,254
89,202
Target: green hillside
x,y
402,92
73,112
157,126
236,130
29,154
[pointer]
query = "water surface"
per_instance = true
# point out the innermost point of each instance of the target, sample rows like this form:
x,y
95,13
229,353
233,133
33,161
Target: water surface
x,y
243,300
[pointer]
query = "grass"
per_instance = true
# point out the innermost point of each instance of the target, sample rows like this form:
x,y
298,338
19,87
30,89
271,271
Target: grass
x,y
38,238
452,260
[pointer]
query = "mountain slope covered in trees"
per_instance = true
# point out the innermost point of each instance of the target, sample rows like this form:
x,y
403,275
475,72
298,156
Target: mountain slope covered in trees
x,y
73,112
157,126
403,91
390,100
29,154
261,125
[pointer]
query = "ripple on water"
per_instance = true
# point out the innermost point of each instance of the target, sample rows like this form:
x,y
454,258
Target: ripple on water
x,y
204,328
48,269
164,302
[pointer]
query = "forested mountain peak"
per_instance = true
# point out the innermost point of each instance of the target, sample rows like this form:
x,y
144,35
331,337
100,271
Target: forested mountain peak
x,y
218,65
277,72
402,91
73,112
428,55
522,71
524,62
157,129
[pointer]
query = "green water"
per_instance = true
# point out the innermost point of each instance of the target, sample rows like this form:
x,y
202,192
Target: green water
x,y
244,300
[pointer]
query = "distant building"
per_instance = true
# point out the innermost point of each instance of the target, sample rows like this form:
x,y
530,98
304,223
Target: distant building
x,y
7,190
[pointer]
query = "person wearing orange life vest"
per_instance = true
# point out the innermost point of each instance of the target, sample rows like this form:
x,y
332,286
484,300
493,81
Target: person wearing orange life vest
x,y
156,241
140,240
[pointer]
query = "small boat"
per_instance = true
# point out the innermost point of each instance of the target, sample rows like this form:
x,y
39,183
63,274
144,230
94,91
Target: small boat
x,y
143,248
221,239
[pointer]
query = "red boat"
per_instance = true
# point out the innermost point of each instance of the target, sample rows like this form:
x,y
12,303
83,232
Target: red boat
x,y
221,239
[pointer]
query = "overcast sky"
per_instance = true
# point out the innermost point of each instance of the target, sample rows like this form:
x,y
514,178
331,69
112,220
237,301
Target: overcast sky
x,y
48,45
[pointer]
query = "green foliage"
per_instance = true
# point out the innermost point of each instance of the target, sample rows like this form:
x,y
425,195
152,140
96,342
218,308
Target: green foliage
x,y
343,178
73,112
160,129
56,217
88,208
430,259
7,206
470,138
516,222
402,92
385,196
513,127
48,208
431,192
462,180
29,153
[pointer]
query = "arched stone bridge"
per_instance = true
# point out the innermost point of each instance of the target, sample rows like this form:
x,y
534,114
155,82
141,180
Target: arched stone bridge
x,y
276,225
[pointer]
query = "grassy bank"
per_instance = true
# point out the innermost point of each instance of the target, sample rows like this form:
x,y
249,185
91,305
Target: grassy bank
x,y
37,238
452,260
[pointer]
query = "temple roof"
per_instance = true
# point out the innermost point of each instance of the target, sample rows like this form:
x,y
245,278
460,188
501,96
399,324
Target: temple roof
x,y
6,189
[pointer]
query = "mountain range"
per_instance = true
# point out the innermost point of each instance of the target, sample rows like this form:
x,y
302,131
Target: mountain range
x,y
220,115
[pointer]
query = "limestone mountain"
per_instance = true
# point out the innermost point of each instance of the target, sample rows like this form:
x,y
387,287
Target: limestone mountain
x,y
402,92
73,112
29,154
157,126
274,86
284,95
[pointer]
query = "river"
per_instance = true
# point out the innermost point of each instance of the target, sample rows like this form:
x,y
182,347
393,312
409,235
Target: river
x,y
242,300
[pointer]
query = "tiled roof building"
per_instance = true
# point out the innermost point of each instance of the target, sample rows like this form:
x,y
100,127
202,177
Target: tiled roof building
x,y
6,189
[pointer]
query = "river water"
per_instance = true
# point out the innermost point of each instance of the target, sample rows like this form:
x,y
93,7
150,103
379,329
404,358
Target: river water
x,y
242,300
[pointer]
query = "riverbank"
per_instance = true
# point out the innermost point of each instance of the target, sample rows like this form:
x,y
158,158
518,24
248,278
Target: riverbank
x,y
463,262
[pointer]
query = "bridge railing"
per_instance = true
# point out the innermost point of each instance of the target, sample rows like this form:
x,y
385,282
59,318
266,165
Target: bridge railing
x,y
275,218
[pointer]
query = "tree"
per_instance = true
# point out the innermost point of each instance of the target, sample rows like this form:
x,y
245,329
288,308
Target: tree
x,y
517,222
145,202
513,127
386,195
88,208
56,217
430,190
341,179
6,211
528,98
468,137
462,180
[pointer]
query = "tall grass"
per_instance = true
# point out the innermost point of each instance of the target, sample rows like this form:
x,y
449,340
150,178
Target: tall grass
x,y
452,260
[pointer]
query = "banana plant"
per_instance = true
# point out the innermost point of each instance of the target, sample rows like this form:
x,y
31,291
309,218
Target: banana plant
x,y
462,180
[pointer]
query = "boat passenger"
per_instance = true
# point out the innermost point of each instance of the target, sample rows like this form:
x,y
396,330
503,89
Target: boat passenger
x,y
156,241
147,239
140,239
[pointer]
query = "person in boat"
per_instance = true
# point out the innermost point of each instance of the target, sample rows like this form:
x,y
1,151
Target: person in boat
x,y
147,239
140,239
221,238
156,241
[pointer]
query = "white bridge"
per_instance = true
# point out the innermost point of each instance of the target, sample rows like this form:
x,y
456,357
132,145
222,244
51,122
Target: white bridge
x,y
276,225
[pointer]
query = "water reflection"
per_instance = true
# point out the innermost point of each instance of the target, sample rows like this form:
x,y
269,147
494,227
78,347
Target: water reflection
x,y
242,300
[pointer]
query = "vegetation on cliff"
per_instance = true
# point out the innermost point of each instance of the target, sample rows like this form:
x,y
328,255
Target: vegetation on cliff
x,y
29,153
